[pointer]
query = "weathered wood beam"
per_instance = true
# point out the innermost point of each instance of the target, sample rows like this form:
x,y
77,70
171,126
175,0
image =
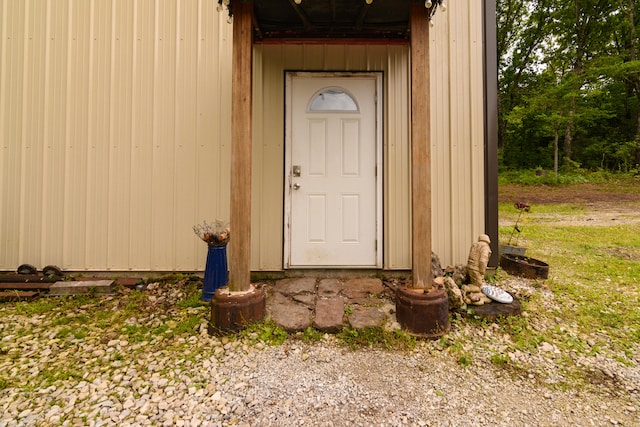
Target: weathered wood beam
x,y
241,103
420,148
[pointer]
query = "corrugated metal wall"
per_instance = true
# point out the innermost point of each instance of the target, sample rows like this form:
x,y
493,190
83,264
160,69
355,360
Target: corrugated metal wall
x,y
457,121
269,139
457,136
115,127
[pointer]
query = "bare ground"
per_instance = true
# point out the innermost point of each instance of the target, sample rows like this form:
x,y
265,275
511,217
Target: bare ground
x,y
603,204
589,194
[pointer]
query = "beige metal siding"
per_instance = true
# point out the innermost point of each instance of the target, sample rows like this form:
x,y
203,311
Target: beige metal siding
x,y
271,63
114,122
457,136
457,130
115,131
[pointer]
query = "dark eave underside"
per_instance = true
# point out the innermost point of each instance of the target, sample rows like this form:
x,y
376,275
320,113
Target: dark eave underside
x,y
331,19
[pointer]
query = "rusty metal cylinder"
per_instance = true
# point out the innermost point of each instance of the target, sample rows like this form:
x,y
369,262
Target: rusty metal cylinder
x,y
232,311
423,313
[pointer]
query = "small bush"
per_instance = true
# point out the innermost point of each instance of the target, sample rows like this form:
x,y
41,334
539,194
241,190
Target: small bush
x,y
566,176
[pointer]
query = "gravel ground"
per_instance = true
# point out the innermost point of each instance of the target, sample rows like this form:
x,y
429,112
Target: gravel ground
x,y
48,377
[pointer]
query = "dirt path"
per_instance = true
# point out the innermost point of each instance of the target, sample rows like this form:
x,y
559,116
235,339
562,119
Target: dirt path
x,y
604,204
595,194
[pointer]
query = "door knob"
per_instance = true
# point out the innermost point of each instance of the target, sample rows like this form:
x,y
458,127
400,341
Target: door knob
x,y
296,186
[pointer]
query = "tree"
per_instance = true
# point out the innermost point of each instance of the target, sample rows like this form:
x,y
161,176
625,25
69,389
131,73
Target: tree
x,y
569,82
629,51
582,33
522,28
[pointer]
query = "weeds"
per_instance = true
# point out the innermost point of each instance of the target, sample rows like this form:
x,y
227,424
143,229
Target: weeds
x,y
267,332
311,335
377,337
610,180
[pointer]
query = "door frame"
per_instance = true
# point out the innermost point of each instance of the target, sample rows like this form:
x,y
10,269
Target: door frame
x,y
378,77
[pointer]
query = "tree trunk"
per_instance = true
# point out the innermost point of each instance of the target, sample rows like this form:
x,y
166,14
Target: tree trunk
x,y
556,137
568,139
638,133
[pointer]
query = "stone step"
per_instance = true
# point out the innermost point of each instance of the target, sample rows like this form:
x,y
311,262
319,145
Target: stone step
x,y
99,287
328,304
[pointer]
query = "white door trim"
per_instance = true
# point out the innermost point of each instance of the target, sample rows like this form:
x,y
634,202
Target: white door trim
x,y
289,76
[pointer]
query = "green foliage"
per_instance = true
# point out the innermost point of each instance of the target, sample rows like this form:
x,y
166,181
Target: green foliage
x,y
192,299
268,332
569,86
594,277
457,349
377,338
40,306
499,359
311,335
188,325
539,176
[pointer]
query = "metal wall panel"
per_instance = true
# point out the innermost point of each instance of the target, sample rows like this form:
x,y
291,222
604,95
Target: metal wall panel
x,y
457,136
268,139
457,131
115,128
115,133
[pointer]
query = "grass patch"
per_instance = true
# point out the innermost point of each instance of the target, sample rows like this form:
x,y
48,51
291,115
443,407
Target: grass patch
x,y
457,349
193,292
377,338
311,335
37,307
189,325
594,278
50,376
267,332
606,180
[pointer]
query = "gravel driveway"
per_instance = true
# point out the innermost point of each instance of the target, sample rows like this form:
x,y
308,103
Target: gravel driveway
x,y
108,374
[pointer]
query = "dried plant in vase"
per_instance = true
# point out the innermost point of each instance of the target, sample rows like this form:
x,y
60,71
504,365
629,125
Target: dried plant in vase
x,y
217,234
216,275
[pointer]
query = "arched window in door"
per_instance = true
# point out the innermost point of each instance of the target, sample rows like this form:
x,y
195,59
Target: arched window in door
x,y
332,99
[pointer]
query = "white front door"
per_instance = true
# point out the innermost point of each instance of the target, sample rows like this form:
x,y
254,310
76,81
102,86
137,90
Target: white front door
x,y
332,155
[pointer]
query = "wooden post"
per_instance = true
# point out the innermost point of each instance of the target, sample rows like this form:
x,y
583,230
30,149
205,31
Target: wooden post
x,y
240,221
420,148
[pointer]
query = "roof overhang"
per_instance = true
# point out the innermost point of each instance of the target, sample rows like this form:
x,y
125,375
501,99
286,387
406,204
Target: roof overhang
x,y
279,20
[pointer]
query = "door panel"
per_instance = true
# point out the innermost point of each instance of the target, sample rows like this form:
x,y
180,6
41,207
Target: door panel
x,y
331,168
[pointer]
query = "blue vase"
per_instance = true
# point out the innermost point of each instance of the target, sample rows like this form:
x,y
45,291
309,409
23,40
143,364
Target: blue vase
x,y
216,274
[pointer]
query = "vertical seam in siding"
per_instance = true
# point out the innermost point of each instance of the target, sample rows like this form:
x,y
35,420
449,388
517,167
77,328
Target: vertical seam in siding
x,y
132,129
110,139
176,120
198,119
23,124
90,124
154,121
46,108
3,85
